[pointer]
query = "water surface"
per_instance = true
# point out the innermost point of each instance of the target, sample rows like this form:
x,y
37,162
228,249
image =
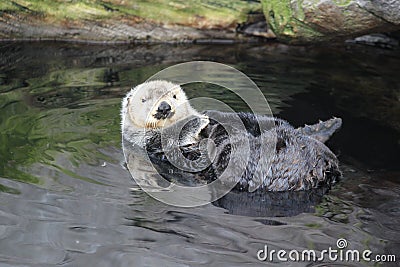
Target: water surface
x,y
66,198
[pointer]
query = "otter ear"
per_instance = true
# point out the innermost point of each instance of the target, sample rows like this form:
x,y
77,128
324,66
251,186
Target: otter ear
x,y
130,95
125,103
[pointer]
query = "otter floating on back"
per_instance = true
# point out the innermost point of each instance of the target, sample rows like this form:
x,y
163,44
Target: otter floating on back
x,y
301,160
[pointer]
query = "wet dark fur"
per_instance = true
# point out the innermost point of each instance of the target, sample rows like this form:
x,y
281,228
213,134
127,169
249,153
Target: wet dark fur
x,y
301,160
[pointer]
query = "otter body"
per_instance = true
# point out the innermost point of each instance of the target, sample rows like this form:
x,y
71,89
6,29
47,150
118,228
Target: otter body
x,y
300,161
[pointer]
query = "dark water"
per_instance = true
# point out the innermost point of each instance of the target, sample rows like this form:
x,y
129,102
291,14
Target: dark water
x,y
67,200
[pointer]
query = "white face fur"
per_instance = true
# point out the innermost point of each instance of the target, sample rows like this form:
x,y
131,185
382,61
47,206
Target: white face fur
x,y
140,105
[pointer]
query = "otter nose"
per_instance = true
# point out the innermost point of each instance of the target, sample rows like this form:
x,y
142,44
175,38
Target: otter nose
x,y
164,108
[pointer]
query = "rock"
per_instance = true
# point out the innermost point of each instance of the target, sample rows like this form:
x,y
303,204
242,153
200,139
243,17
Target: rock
x,y
322,20
259,29
388,10
116,21
377,39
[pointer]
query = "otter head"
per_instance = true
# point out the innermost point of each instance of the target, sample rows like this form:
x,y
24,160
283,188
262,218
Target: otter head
x,y
155,105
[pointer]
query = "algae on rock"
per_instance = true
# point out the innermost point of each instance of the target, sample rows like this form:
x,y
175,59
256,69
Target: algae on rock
x,y
128,20
321,20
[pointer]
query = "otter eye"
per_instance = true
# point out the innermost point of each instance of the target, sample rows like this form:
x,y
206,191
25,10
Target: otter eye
x,y
143,100
174,96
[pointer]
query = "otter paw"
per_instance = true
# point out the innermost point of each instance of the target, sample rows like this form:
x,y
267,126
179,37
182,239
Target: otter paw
x,y
204,121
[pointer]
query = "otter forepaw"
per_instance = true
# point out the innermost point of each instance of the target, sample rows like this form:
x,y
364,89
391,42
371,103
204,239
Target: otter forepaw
x,y
192,134
204,121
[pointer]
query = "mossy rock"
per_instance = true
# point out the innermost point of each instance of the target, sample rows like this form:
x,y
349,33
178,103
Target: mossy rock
x,y
305,21
116,20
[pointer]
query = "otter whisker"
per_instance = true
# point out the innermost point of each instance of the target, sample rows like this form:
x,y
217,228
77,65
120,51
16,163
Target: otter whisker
x,y
149,125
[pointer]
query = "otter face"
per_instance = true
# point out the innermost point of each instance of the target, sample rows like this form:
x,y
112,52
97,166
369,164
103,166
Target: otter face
x,y
157,104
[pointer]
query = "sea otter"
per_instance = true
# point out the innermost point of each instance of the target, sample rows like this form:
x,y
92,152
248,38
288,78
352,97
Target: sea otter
x,y
300,161
156,105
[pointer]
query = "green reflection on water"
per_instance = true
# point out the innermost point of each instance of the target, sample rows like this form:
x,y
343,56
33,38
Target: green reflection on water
x,y
9,190
55,118
92,78
34,135
30,135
